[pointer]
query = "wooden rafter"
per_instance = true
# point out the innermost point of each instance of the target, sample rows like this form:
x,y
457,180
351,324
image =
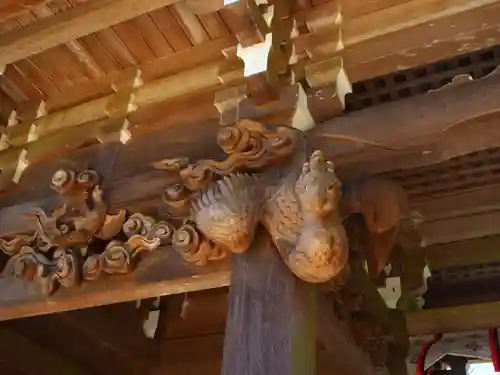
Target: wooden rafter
x,y
12,8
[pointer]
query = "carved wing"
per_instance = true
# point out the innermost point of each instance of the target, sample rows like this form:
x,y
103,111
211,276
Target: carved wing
x,y
228,211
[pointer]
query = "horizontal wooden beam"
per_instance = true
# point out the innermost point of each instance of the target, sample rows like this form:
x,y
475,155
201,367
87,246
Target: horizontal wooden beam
x,y
453,319
460,228
160,273
464,253
422,130
420,32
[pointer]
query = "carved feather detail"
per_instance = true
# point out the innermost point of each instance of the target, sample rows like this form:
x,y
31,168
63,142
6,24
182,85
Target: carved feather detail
x,y
228,212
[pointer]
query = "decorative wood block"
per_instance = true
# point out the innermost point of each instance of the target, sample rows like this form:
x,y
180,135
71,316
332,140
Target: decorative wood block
x,y
227,102
13,162
324,17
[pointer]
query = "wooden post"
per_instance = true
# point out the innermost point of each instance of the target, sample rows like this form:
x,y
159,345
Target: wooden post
x,y
271,327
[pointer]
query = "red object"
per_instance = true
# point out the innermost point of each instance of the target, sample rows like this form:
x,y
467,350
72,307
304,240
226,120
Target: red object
x,y
423,352
494,347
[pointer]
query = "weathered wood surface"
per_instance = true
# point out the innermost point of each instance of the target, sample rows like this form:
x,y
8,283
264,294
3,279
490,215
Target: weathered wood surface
x,y
453,319
271,322
435,125
31,358
464,253
343,353
61,342
425,38
12,8
422,130
160,273
72,24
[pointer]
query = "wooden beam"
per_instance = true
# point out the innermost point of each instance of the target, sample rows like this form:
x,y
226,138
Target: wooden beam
x,y
422,130
453,319
31,358
460,228
464,253
271,323
420,32
161,273
74,23
13,8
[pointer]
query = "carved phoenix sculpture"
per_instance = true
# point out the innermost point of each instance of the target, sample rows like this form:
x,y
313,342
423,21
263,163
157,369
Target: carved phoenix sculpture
x,y
221,206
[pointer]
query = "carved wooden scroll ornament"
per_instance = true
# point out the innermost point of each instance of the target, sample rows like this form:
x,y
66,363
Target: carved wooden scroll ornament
x,y
66,246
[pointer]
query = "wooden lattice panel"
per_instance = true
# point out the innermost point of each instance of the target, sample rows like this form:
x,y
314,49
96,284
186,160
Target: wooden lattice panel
x,y
464,172
419,80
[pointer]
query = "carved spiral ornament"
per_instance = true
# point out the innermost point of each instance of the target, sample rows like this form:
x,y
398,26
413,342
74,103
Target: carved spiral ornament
x,y
63,180
64,269
147,227
193,247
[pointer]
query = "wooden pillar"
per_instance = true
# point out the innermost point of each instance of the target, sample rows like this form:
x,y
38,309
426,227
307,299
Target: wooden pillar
x,y
271,327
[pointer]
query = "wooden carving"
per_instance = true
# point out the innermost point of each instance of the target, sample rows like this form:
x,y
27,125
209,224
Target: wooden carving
x,y
54,254
387,218
144,235
266,179
221,203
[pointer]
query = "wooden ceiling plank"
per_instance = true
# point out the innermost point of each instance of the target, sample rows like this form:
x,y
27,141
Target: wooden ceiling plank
x,y
134,41
152,35
168,65
77,59
81,20
99,53
117,48
190,23
171,29
214,25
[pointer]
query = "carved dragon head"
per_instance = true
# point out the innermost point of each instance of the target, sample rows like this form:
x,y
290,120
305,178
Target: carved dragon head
x,y
318,187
